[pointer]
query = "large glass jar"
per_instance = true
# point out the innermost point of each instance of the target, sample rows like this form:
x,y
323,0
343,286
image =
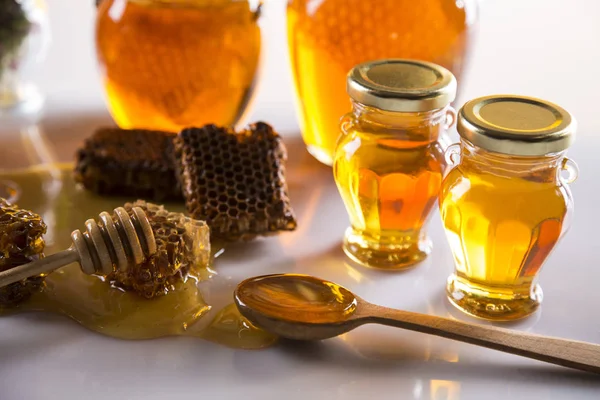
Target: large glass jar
x,y
169,64
389,161
329,37
506,204
24,35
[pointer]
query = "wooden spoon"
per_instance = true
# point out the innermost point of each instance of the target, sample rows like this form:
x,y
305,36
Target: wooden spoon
x,y
303,307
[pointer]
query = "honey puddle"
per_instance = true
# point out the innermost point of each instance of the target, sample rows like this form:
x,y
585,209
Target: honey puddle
x,y
94,303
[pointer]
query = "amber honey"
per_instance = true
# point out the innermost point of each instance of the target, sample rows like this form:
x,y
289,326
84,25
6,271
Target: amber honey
x,y
169,64
505,205
500,238
389,185
328,38
104,306
297,298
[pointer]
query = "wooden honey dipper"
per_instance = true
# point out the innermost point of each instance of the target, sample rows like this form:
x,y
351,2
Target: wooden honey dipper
x,y
128,241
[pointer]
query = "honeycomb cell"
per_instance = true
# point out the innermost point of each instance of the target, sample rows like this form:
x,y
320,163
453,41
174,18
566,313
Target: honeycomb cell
x,y
235,178
182,243
232,202
125,162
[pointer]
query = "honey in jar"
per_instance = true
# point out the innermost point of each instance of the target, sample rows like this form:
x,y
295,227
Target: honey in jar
x,y
169,64
389,161
329,37
506,204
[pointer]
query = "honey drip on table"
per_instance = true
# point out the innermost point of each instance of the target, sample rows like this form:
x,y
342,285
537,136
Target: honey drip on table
x,y
105,308
328,38
168,65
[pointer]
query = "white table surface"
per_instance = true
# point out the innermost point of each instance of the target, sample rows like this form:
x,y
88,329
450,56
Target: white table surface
x,y
544,48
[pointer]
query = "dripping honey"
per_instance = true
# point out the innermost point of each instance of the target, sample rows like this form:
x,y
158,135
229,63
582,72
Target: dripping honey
x,y
172,64
102,306
389,180
503,216
330,37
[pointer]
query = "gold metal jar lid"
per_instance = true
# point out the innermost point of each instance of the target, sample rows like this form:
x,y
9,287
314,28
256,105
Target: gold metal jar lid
x,y
401,85
516,125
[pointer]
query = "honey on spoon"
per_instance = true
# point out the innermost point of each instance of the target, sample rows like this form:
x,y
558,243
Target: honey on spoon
x,y
303,307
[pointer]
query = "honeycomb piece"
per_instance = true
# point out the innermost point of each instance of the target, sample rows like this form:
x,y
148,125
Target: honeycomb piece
x,y
21,242
235,181
128,163
182,243
20,232
18,292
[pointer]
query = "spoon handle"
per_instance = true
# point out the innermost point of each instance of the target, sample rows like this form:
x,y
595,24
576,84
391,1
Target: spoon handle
x,y
568,353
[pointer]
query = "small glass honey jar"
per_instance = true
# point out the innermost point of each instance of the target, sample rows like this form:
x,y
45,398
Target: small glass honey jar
x,y
506,203
389,161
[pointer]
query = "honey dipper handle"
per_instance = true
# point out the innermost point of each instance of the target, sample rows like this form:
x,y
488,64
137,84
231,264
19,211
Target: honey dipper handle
x,y
568,353
46,264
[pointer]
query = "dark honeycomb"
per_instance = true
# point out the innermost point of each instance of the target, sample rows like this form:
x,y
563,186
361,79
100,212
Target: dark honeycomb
x,y
17,292
182,243
235,180
21,242
20,232
122,162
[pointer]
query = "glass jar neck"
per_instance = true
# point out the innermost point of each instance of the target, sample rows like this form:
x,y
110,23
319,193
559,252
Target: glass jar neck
x,y
539,168
424,126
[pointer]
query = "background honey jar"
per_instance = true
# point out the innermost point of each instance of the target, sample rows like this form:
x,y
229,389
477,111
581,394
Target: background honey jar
x,y
168,64
329,37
